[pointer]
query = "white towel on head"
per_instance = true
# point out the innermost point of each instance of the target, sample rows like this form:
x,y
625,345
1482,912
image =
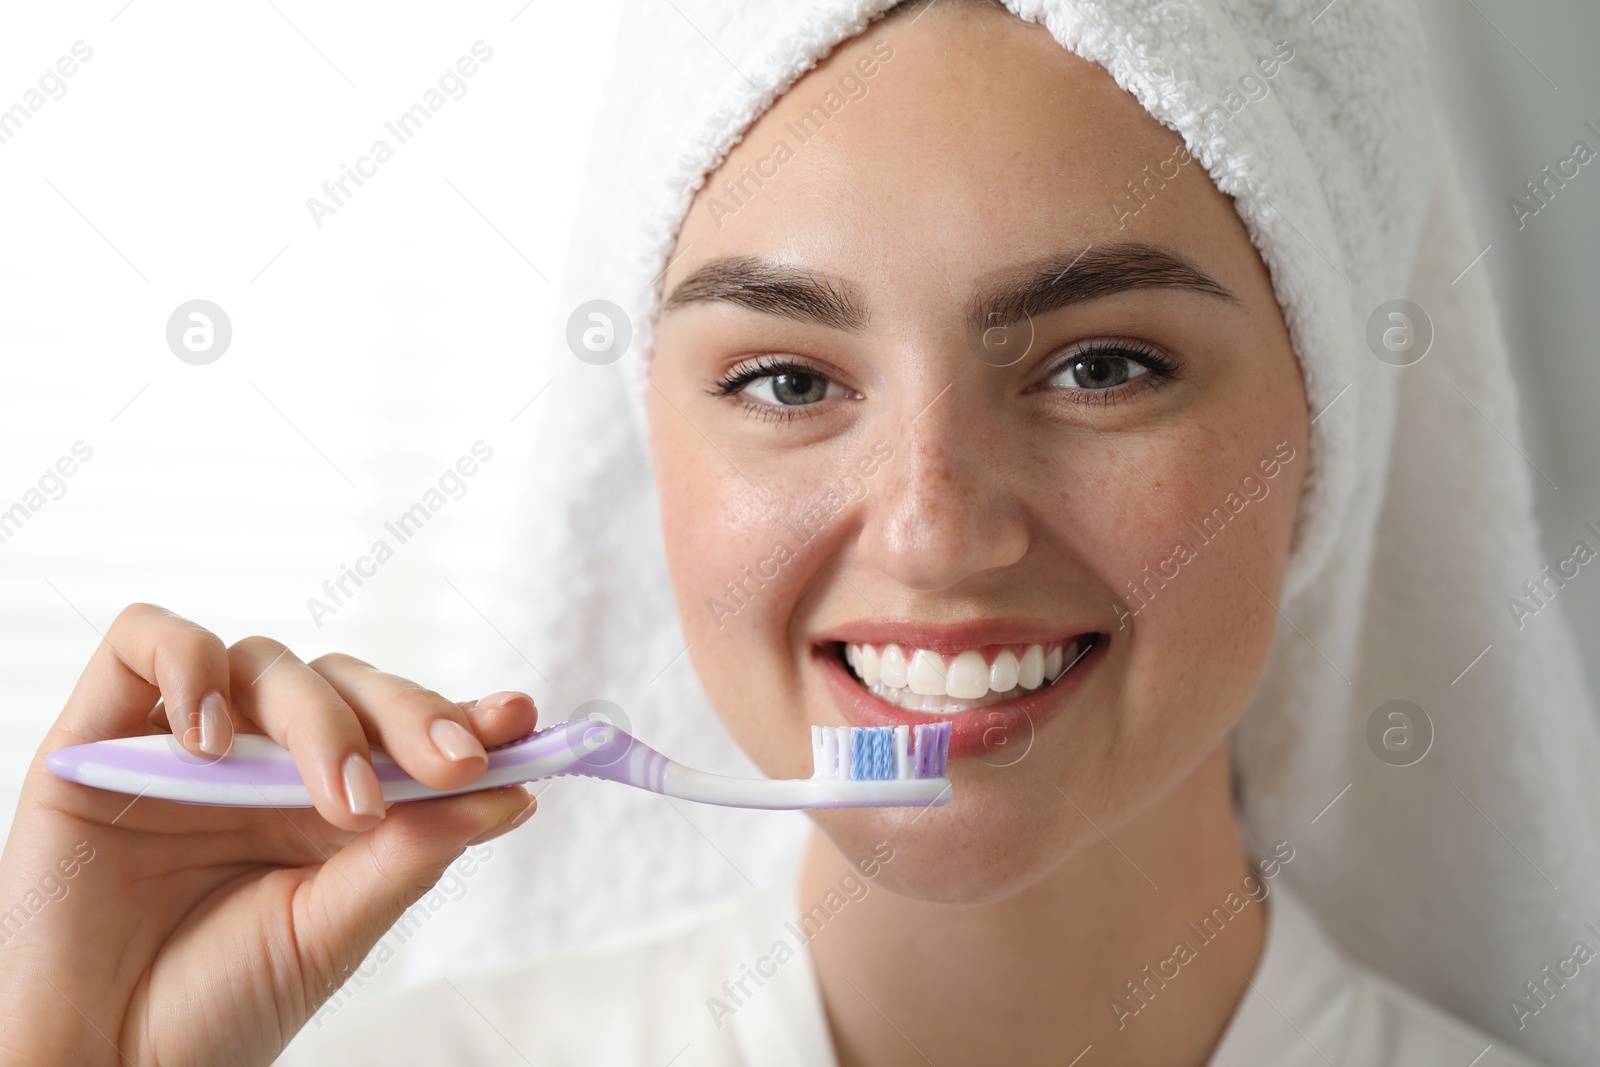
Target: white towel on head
x,y
1461,875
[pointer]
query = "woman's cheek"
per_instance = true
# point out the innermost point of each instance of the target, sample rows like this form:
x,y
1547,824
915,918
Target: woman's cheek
x,y
740,645
738,569
1199,599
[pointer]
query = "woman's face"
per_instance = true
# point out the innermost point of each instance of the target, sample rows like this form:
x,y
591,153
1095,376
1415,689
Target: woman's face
x,y
961,352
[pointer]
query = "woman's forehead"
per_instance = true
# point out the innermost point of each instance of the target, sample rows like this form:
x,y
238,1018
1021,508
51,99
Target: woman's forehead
x,y
962,143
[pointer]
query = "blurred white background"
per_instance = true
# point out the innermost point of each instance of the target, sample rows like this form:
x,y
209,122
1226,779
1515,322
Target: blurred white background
x,y
371,352
368,354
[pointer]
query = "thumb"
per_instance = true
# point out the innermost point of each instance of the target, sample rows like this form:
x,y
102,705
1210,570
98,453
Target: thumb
x,y
362,890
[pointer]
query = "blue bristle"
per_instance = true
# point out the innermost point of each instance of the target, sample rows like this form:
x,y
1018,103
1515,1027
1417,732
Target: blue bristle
x,y
867,753
873,750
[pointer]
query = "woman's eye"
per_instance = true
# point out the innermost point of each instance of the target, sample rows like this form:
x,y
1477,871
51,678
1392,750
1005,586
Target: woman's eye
x,y
1098,371
790,387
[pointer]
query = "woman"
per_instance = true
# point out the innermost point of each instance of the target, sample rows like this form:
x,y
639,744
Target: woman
x,y
984,380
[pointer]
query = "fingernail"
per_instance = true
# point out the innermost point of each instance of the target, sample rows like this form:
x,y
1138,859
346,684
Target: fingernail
x,y
496,699
525,813
455,740
216,728
362,794
508,825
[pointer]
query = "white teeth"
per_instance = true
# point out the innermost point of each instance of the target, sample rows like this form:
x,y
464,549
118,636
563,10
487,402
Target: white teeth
x,y
936,705
968,676
1003,671
1030,669
926,673
866,664
892,667
922,680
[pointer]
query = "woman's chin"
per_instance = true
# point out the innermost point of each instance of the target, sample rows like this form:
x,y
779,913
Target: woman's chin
x,y
1000,854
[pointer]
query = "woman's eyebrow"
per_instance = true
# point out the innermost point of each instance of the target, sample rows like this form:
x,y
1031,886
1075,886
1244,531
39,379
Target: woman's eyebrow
x,y
1033,288
774,289
1064,278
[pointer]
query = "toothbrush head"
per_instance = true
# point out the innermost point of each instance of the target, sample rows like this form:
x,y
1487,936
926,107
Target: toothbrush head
x,y
880,753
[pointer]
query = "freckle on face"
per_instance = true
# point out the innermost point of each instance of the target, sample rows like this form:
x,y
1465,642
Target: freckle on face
x,y
977,147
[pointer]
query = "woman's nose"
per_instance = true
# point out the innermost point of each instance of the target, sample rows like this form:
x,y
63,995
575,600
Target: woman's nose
x,y
946,510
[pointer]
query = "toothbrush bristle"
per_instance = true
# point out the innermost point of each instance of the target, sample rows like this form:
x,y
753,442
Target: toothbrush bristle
x,y
880,753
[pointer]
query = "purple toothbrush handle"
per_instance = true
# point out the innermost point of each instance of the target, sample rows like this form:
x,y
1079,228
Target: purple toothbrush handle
x,y
257,772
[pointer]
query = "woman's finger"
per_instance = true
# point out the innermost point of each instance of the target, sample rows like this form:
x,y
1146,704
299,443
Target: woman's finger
x,y
298,709
150,654
502,717
429,736
363,889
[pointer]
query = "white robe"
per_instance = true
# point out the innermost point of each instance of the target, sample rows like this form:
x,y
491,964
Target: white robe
x,y
657,997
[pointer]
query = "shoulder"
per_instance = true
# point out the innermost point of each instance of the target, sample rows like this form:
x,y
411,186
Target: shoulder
x,y
669,990
1391,1025
1308,1003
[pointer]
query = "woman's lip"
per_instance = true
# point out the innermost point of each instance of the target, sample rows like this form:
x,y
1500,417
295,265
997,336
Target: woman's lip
x,y
951,638
976,732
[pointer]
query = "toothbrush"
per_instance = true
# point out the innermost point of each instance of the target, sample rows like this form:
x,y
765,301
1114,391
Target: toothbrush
x,y
856,767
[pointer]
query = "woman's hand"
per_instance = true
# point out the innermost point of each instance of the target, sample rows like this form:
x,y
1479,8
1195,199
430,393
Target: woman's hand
x,y
140,931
